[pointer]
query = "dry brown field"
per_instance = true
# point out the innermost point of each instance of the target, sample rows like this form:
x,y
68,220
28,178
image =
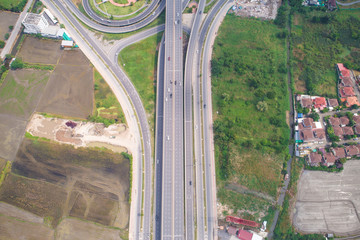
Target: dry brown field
x,y
42,51
70,91
6,19
11,131
103,198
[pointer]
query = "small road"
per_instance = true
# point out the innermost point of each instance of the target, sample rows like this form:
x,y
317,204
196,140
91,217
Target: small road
x,y
15,32
347,4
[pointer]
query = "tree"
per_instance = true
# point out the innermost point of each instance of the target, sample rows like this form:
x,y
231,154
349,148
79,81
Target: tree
x,y
62,26
315,116
11,27
2,44
7,35
17,64
262,106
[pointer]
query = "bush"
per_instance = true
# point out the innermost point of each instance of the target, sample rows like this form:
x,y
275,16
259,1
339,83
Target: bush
x,y
315,116
11,28
7,35
17,64
2,44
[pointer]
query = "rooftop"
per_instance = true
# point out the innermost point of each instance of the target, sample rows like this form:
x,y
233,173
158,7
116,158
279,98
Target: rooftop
x,y
306,134
338,131
352,150
344,71
306,102
315,157
339,152
320,133
346,82
334,121
329,158
346,92
352,101
356,118
320,102
344,120
32,18
357,128
333,102
244,235
348,131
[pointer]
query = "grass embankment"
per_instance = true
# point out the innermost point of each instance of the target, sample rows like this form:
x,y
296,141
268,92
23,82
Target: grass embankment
x,y
107,109
140,61
12,5
6,168
250,101
320,40
114,10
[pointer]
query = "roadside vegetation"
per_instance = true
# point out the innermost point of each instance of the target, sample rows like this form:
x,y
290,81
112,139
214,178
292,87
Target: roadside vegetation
x,y
139,61
319,40
12,5
107,109
113,10
250,102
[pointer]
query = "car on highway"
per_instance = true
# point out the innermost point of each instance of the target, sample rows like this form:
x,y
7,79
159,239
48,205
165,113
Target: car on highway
x,y
168,58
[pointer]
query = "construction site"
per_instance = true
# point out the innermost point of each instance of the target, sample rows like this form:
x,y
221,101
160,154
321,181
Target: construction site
x,y
264,9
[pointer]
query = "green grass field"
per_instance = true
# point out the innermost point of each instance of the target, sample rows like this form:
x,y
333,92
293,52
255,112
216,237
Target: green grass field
x,y
12,5
140,61
250,101
107,108
320,40
115,10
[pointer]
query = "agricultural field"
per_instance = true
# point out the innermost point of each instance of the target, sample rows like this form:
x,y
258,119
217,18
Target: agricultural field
x,y
140,61
319,41
11,132
21,91
250,102
52,181
329,202
70,89
43,51
7,19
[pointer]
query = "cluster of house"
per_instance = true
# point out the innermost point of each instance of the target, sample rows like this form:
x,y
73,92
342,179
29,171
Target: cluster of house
x,y
309,131
46,25
322,157
242,234
317,103
346,86
341,128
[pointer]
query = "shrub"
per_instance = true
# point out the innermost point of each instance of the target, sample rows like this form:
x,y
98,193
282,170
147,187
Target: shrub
x,y
2,44
262,106
7,35
17,64
11,28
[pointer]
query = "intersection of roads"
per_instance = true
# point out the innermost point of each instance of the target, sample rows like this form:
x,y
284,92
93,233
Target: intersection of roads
x,y
174,194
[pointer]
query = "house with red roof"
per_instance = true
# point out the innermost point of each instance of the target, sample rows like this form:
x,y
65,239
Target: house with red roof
x,y
306,102
342,70
339,152
350,101
346,82
344,121
348,131
338,131
328,159
356,118
315,159
334,121
320,133
345,92
332,103
320,103
357,129
352,151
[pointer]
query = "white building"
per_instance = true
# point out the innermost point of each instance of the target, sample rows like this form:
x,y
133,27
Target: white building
x,y
34,23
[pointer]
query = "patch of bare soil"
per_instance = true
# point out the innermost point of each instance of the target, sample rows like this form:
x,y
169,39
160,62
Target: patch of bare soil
x,y
44,51
6,19
14,229
264,9
115,137
39,197
91,184
75,229
11,132
12,211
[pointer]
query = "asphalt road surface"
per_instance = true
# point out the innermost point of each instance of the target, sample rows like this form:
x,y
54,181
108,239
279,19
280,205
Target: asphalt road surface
x,y
191,55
